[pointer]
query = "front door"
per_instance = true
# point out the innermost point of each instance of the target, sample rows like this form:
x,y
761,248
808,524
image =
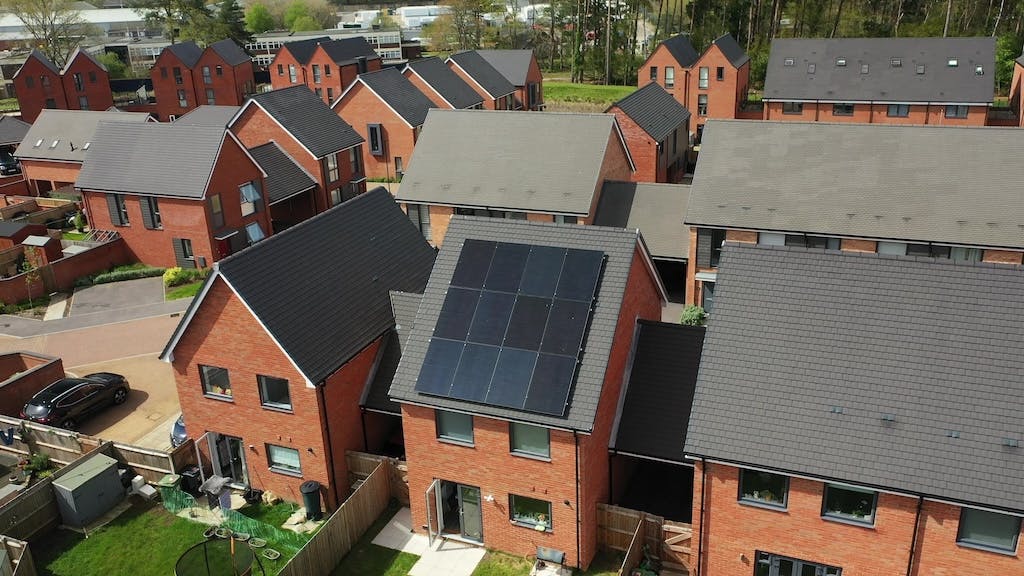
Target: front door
x,y
470,513
229,458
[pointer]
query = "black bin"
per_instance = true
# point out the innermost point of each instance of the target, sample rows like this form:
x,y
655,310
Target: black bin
x,y
191,480
311,499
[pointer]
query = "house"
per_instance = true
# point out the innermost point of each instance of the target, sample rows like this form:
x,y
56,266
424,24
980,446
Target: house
x,y
713,84
328,67
865,422
12,132
1016,88
271,389
444,88
521,69
52,151
657,132
174,82
657,210
497,92
546,167
182,196
307,133
225,75
208,115
86,82
508,411
887,189
83,84
388,111
946,81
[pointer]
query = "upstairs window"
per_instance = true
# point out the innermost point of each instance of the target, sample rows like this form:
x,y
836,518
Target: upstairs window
x,y
702,77
327,70
355,160
220,70
280,69
292,76
956,111
182,99
45,81
79,83
792,107
207,77
898,110
654,73
375,137
250,198
216,381
331,167
702,104
717,239
720,73
454,426
850,504
274,392
988,530
177,76
764,488
670,76
842,109
316,73
253,233
211,97
530,440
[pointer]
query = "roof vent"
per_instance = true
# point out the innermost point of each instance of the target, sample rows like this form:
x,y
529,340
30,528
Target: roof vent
x,y
788,62
38,143
952,433
920,68
863,68
888,417
1011,443
810,68
86,147
952,62
840,62
896,62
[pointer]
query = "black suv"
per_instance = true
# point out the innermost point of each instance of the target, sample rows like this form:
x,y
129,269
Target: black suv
x,y
9,164
68,401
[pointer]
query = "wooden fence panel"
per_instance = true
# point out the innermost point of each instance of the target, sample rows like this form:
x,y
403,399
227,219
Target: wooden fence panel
x,y
322,554
150,464
669,540
361,464
21,558
635,550
33,512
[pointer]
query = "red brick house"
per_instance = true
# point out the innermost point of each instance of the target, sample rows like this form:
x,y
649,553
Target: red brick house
x,y
846,447
83,84
561,164
310,135
508,412
388,111
1016,88
269,404
495,89
174,82
179,195
444,88
519,67
328,67
86,83
713,84
53,149
224,75
657,131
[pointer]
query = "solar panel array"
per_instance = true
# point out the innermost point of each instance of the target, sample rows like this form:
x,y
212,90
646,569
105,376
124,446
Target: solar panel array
x,y
512,326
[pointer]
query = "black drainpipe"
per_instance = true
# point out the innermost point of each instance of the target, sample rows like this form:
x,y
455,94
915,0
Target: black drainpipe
x,y
703,491
611,479
579,541
913,538
362,420
329,452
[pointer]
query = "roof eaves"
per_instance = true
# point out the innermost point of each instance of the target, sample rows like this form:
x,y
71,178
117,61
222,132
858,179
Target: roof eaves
x,y
428,84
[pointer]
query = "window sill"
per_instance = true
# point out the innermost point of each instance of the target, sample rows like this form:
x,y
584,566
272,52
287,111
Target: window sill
x,y
529,456
849,521
285,472
277,409
532,527
462,443
219,397
764,505
983,548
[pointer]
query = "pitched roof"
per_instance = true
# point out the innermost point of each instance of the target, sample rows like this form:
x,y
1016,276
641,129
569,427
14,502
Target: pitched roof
x,y
308,119
399,93
63,134
856,339
657,399
303,50
481,71
732,50
1020,59
884,82
514,65
188,52
208,115
375,397
37,54
654,110
153,158
681,49
657,210
349,50
12,130
405,305
10,228
285,178
364,247
445,82
908,183
619,247
84,54
231,52
509,160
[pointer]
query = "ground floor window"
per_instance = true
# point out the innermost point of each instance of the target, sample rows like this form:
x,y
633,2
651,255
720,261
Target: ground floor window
x,y
530,511
283,459
768,564
989,530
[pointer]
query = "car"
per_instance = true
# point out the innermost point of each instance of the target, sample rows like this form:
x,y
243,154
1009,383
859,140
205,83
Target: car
x,y
69,401
178,434
9,164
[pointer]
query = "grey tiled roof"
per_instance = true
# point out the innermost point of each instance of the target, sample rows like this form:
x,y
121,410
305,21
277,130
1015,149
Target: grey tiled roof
x,y
303,50
480,70
348,50
151,158
807,351
42,58
207,115
308,119
9,228
85,53
920,183
285,178
231,52
940,83
619,247
681,49
188,52
509,160
656,406
514,65
654,110
71,130
732,50
400,94
327,303
12,130
404,306
658,210
445,82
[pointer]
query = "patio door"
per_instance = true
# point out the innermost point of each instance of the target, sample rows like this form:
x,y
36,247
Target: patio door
x,y
434,525
229,458
470,513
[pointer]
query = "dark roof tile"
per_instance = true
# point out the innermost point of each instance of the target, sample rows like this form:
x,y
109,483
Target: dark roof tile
x,y
481,71
188,52
308,119
285,178
681,49
446,82
399,93
654,110
231,52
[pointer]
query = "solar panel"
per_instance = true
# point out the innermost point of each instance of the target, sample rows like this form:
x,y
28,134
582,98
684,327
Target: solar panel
x,y
512,326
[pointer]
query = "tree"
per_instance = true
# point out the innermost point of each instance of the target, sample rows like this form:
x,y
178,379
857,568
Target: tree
x,y
55,25
231,22
467,17
293,12
305,23
31,272
174,16
258,19
115,67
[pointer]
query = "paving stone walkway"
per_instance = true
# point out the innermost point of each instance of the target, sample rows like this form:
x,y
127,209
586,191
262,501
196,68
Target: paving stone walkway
x,y
444,558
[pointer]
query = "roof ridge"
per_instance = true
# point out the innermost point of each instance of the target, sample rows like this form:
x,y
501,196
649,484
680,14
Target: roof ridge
x,y
876,256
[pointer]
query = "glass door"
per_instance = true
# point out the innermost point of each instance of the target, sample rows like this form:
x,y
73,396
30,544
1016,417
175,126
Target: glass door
x,y
230,459
434,525
775,565
470,513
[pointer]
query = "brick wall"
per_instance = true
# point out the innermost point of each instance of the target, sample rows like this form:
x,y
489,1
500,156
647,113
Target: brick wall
x,y
56,173
1002,256
939,554
229,87
489,102
724,95
748,236
360,107
648,157
661,58
281,79
535,76
32,99
876,114
25,374
166,90
855,245
97,92
427,90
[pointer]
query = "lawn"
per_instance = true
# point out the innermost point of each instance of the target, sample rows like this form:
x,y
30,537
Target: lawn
x,y
589,93
186,291
370,559
500,564
74,235
274,514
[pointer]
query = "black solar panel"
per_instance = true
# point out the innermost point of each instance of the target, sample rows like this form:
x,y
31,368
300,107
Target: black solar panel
x,y
512,326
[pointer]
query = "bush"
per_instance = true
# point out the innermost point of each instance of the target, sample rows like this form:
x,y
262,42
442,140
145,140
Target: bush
x,y
130,274
80,221
693,316
177,276
38,463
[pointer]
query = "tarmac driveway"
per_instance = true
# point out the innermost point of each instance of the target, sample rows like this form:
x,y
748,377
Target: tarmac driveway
x,y
117,295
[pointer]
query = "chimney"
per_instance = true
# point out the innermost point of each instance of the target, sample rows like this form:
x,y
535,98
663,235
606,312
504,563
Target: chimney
x,y
361,64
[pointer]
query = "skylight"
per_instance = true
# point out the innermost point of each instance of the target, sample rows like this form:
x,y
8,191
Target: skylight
x,y
840,61
896,62
979,70
86,147
788,62
810,68
952,62
863,68
38,143
54,145
920,68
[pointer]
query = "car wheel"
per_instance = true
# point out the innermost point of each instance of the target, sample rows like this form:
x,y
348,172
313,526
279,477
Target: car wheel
x,y
69,424
120,395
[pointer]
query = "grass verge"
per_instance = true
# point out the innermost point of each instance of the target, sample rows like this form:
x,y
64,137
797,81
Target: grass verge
x,y
74,235
274,514
605,96
186,291
368,558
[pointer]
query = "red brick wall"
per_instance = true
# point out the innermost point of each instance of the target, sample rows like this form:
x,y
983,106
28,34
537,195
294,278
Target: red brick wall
x,y
360,107
96,259
229,88
97,92
534,75
651,162
939,554
877,114
661,58
284,58
341,76
723,95
32,100
57,173
166,91
1002,256
614,167
37,372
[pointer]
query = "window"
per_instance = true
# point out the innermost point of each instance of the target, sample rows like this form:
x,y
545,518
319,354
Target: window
x,y
250,198
331,167
398,167
292,77
979,70
163,72
792,107
376,138
841,62
808,241
764,488
327,70
670,76
920,69
83,102
280,69
560,219
454,426
274,392
842,109
896,248
952,62
316,73
654,73
863,68
788,62
216,381
530,512
182,99
330,94
702,104
720,73
898,110
420,216
956,111
965,254
151,212
767,564
717,238
30,81
118,209
811,68
847,503
207,78
286,460
319,92
702,77
211,98
530,440
44,81
355,160
896,62
930,250
707,296
177,76
186,257
988,530
217,211
254,233
336,197
79,83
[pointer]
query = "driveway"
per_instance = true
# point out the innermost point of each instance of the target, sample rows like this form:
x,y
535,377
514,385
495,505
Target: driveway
x,y
99,343
117,295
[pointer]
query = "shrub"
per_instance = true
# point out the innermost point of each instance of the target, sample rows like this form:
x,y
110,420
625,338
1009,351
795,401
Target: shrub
x,y
129,274
80,221
38,463
693,316
177,276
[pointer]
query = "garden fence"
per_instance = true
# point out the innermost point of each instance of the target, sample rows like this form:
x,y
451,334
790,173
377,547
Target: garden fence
x,y
361,464
669,541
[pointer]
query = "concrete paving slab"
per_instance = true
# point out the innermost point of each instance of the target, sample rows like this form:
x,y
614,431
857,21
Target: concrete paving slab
x,y
397,534
448,558
117,295
57,308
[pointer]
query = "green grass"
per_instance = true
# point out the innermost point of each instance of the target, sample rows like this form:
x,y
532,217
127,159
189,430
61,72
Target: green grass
x,y
372,560
589,93
73,235
275,514
501,564
187,291
9,105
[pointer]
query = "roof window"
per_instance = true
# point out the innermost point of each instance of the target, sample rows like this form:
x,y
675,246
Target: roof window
x,y
863,68
86,147
979,70
810,68
54,145
920,68
952,62
896,62
788,62
38,143
840,62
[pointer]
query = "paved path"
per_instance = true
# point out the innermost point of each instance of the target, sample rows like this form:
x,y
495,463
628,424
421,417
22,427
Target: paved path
x,y
20,327
444,558
116,295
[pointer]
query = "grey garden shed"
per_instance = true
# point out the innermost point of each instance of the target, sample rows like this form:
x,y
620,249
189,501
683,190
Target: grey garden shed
x,y
89,490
